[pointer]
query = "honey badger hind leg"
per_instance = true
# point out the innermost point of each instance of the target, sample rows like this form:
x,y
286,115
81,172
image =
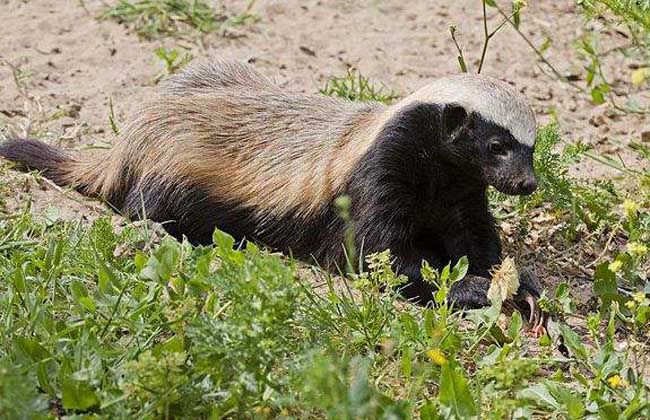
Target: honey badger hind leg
x,y
185,209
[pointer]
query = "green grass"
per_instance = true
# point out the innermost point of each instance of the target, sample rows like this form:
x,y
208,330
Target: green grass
x,y
356,87
157,18
130,324
172,60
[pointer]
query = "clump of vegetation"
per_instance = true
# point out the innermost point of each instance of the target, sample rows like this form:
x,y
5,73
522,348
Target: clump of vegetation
x,y
124,324
155,18
173,61
356,87
630,20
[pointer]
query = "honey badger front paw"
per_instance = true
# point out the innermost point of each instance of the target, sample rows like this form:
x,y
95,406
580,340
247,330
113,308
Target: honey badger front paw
x,y
470,292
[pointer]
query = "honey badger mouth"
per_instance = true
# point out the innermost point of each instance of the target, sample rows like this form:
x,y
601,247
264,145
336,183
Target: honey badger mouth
x,y
518,186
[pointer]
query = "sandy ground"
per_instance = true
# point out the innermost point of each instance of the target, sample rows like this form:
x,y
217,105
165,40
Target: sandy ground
x,y
72,64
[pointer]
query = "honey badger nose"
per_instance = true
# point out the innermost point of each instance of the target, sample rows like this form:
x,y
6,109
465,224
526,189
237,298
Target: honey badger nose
x,y
527,186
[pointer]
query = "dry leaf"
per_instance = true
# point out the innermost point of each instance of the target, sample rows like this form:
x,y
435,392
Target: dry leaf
x,y
505,281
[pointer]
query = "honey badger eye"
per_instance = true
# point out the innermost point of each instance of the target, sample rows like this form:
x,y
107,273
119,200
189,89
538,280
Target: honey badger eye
x,y
497,148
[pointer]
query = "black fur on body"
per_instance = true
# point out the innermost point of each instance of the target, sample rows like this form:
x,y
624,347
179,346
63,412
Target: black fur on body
x,y
416,175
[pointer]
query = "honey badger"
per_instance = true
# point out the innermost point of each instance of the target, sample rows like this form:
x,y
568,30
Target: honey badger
x,y
221,146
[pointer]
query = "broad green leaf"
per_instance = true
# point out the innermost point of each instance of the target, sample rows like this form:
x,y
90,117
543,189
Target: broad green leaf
x,y
223,240
597,96
499,336
88,303
516,324
43,377
608,410
225,248
605,286
540,396
579,377
78,289
430,411
598,93
140,260
78,395
454,392
573,342
32,348
460,270
444,274
18,280
162,263
574,407
173,345
108,283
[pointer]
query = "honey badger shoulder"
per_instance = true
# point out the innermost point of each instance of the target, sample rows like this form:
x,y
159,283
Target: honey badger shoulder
x,y
223,147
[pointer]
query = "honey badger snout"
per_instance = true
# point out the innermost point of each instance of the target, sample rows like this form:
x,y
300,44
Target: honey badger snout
x,y
527,185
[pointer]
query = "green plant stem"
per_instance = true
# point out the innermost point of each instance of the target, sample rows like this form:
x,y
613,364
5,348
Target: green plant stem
x,y
461,57
488,35
539,54
486,40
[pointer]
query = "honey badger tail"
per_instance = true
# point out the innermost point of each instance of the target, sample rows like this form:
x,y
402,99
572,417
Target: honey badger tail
x,y
36,155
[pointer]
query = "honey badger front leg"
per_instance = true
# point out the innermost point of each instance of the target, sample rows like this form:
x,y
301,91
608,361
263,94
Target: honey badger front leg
x,y
471,231
438,236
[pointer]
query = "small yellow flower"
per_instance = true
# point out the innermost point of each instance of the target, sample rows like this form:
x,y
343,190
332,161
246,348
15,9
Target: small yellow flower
x,y
437,357
615,381
637,248
639,296
263,410
630,304
631,208
640,75
615,266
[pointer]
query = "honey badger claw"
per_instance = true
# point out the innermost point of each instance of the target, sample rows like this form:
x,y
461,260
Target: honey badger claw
x,y
526,301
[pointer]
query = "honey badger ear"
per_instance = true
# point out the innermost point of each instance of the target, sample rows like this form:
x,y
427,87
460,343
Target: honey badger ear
x,y
454,119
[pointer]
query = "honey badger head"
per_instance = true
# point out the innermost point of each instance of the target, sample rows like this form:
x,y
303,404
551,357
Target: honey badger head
x,y
487,129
